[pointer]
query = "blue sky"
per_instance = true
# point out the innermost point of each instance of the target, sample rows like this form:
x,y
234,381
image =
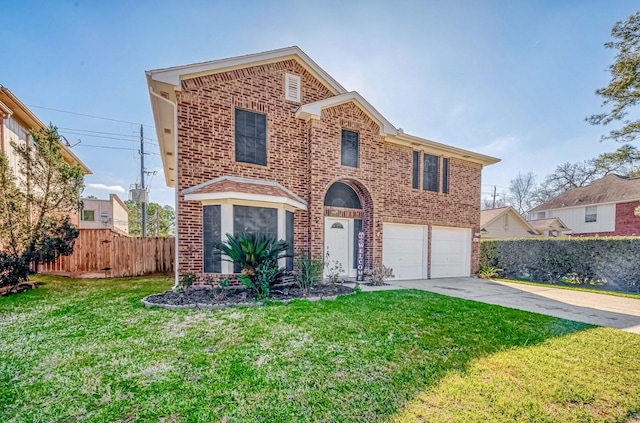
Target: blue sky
x,y
513,79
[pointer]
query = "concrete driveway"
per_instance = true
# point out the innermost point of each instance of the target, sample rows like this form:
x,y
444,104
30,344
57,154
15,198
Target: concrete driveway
x,y
598,309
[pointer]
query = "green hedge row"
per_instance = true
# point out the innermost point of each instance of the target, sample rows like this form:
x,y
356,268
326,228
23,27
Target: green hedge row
x,y
601,262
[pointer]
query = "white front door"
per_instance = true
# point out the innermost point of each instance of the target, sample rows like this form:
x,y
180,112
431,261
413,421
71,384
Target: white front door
x,y
337,244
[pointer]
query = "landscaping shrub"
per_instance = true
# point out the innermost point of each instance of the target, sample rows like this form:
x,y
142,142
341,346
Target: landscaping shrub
x,y
601,262
308,271
257,256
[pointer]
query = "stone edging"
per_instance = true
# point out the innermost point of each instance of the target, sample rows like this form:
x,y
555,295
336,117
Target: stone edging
x,y
204,306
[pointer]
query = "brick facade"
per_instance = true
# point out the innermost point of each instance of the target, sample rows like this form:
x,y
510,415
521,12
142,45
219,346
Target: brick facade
x,y
305,158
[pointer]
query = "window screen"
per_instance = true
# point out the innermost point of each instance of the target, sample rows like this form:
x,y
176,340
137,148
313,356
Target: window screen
x,y
289,240
211,228
430,173
415,182
251,137
349,148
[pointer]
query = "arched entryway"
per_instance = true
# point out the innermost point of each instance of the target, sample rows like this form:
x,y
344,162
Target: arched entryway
x,y
347,227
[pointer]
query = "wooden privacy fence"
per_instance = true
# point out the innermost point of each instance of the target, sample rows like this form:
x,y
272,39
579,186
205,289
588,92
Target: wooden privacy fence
x,y
104,253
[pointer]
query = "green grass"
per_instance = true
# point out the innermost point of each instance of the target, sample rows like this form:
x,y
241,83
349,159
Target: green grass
x,y
573,288
87,350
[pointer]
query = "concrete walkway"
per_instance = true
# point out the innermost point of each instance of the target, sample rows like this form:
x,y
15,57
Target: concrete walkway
x,y
598,309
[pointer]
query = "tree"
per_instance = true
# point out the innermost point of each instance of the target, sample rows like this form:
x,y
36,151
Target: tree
x,y
625,161
623,91
522,191
160,219
35,206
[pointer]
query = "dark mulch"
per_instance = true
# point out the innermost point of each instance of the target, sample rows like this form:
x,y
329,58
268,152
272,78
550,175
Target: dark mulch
x,y
235,295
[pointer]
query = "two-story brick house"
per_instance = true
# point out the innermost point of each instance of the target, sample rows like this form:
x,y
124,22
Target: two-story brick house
x,y
271,143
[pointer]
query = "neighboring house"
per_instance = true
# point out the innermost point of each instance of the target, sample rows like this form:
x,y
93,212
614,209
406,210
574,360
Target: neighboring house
x,y
16,122
552,226
605,207
504,222
105,214
271,143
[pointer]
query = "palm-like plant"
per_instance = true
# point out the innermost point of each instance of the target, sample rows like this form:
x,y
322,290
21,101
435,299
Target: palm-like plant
x,y
257,256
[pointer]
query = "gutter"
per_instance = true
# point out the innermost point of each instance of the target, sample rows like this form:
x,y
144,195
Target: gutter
x,y
175,158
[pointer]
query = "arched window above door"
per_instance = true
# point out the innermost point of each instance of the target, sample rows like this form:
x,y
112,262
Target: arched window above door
x,y
342,195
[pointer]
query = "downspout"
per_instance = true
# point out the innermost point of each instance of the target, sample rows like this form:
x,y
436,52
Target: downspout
x,y
175,166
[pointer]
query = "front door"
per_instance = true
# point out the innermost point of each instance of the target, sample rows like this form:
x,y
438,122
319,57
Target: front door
x,y
336,243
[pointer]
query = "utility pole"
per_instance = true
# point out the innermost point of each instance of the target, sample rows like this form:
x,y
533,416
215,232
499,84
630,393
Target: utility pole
x,y
143,207
494,196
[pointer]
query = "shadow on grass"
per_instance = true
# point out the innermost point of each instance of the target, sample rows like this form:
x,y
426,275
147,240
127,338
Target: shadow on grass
x,y
359,358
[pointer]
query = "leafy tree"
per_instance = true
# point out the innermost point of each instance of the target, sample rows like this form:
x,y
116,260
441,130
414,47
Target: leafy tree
x,y
623,91
160,219
35,205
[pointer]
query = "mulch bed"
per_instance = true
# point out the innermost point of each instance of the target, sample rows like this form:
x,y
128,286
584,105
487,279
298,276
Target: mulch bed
x,y
199,297
22,287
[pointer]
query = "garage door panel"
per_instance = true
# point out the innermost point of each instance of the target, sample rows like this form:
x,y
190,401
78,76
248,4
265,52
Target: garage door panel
x,y
450,252
404,250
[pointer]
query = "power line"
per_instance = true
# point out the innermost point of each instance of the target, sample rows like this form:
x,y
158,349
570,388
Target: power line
x,y
105,137
133,136
113,148
86,115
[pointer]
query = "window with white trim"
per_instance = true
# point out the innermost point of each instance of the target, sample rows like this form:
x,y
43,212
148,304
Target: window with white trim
x,y
292,88
591,214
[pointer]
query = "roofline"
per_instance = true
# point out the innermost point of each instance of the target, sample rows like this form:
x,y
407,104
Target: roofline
x,y
314,110
35,123
173,75
119,200
242,180
535,210
454,151
506,210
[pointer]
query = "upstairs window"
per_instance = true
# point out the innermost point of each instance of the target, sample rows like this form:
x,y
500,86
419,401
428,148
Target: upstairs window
x,y
349,151
89,215
430,173
445,175
292,87
251,137
591,214
415,179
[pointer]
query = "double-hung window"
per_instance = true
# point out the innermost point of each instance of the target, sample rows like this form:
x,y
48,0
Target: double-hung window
x,y
591,214
251,137
349,150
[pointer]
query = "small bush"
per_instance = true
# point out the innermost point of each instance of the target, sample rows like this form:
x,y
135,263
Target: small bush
x,y
308,272
378,275
257,256
489,272
333,268
186,281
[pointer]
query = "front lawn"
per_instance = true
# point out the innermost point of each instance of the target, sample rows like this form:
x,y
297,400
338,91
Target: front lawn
x,y
87,350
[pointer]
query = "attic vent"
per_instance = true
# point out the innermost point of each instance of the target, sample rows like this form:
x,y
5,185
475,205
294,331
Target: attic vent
x,y
167,130
292,87
164,94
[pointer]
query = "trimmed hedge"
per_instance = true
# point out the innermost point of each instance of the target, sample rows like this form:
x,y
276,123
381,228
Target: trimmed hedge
x,y
609,263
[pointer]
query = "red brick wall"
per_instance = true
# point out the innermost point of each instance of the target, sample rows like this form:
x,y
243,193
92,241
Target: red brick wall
x,y
305,158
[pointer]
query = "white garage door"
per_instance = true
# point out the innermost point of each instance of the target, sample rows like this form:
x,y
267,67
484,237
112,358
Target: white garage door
x,y
404,249
450,252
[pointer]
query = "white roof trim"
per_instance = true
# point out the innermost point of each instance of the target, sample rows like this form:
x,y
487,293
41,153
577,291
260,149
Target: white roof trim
x,y
187,192
314,110
245,196
175,74
581,206
513,212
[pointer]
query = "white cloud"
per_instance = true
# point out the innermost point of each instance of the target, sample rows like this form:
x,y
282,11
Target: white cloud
x,y
116,188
